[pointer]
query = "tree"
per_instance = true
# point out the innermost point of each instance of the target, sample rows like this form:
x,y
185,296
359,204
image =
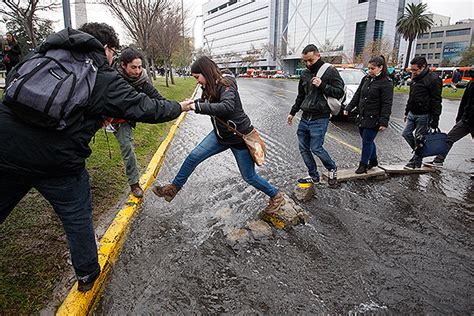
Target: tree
x,y
376,48
139,17
275,53
167,39
24,14
182,56
412,23
467,57
43,29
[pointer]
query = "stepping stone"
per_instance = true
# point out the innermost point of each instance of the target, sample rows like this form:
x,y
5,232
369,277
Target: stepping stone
x,y
259,229
344,175
287,216
304,192
399,169
238,237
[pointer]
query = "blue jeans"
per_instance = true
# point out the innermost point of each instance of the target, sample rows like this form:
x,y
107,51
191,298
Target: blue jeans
x,y
210,146
369,150
70,197
311,139
421,125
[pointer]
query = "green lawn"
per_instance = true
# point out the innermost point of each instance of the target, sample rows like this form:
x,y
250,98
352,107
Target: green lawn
x,y
447,92
33,249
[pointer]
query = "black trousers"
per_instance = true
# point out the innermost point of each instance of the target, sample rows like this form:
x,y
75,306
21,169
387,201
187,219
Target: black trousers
x,y
458,131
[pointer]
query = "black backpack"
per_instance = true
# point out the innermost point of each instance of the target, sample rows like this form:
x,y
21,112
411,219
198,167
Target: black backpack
x,y
51,89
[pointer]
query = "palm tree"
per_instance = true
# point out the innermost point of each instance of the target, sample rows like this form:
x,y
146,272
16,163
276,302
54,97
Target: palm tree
x,y
412,23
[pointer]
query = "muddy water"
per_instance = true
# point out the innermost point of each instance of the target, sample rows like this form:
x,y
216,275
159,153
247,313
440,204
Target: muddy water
x,y
402,244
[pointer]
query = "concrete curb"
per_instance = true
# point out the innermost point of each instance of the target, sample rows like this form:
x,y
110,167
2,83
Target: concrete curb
x,y
78,303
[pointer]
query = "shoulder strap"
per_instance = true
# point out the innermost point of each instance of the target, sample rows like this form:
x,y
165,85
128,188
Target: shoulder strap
x,y
323,69
230,128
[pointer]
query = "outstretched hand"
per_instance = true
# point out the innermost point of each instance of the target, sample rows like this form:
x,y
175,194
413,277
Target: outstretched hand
x,y
187,105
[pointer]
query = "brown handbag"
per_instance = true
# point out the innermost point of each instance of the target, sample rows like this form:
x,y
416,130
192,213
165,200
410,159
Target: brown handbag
x,y
254,143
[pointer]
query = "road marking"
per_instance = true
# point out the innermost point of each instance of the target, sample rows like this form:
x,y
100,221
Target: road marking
x,y
353,148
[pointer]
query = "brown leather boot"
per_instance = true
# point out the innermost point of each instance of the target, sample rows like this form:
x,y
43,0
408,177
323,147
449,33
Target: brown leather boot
x,y
136,190
168,191
275,202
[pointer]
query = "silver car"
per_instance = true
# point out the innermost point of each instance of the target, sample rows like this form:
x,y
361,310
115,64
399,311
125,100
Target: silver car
x,y
352,78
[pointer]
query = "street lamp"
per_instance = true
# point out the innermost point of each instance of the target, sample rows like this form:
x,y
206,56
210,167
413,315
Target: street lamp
x,y
67,13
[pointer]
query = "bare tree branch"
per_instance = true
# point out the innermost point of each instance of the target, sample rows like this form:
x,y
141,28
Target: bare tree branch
x,y
24,12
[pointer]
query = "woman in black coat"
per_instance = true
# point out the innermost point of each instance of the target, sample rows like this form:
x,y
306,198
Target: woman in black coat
x,y
373,101
11,52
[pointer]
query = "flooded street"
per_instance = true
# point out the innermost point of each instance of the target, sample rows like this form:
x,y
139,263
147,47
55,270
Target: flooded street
x,y
398,245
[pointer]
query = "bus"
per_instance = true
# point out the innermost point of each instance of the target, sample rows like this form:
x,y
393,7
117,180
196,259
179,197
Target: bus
x,y
446,74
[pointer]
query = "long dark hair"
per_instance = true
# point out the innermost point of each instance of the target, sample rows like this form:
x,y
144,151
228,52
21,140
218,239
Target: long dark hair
x,y
380,61
13,37
205,66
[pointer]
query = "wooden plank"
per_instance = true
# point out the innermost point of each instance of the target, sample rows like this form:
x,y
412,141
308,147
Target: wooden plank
x,y
399,169
349,174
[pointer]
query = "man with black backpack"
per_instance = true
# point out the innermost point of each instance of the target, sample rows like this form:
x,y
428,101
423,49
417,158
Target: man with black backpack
x,y
54,102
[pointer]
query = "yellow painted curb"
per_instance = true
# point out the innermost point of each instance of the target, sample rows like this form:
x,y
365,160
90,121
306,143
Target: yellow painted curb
x,y
78,303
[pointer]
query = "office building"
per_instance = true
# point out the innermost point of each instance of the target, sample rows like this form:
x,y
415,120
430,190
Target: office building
x,y
444,45
272,33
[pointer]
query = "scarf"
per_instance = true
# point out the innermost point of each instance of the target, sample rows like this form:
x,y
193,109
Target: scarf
x,y
134,82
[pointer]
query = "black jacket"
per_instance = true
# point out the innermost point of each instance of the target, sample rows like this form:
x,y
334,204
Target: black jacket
x,y
12,55
466,107
310,98
229,109
425,95
373,100
35,151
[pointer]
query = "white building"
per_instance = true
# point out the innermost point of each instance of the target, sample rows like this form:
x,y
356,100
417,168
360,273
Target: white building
x,y
273,33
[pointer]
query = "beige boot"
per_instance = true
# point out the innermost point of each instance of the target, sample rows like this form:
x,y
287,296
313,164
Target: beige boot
x,y
275,202
168,191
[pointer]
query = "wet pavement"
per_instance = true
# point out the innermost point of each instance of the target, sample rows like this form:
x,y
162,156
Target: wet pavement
x,y
401,245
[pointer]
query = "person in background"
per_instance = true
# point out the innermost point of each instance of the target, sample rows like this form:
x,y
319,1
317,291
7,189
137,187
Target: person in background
x,y
129,66
373,101
11,52
311,99
423,106
454,81
221,101
464,121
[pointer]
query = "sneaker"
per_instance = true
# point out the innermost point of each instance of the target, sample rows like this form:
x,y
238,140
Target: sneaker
x,y
136,190
308,180
168,191
83,286
332,177
372,163
412,165
275,202
435,163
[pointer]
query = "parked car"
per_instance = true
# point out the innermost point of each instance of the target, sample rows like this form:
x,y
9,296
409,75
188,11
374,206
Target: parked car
x,y
352,78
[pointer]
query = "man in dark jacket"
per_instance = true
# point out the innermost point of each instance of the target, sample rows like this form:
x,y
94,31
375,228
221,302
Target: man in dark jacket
x,y
129,66
53,162
464,121
311,99
423,107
